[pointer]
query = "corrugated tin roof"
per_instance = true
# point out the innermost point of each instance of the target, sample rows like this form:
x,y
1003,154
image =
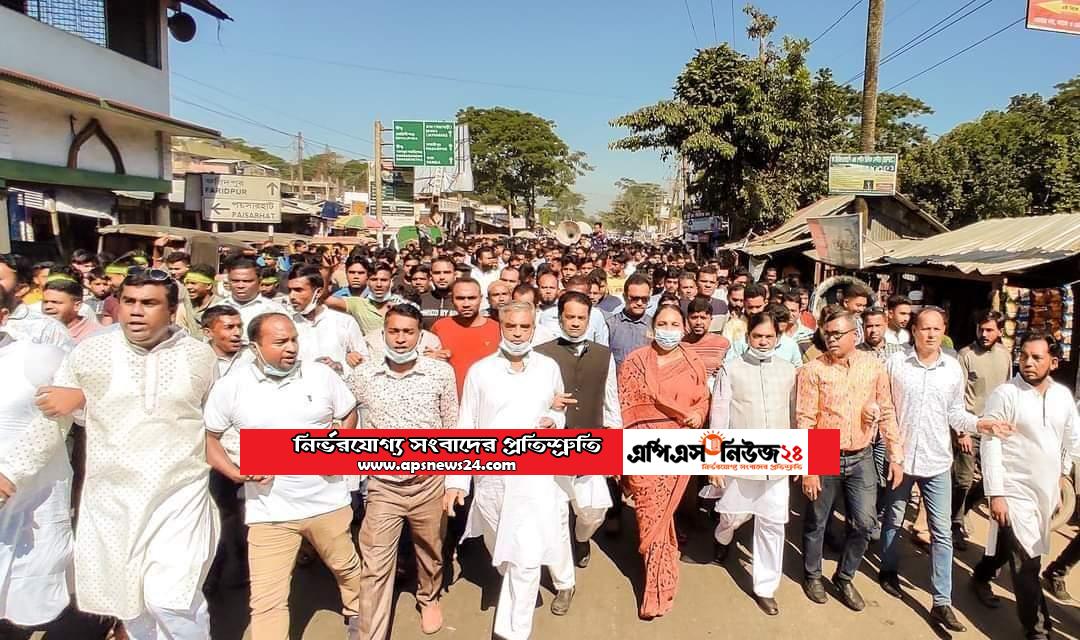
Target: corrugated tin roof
x,y
997,246
873,250
207,7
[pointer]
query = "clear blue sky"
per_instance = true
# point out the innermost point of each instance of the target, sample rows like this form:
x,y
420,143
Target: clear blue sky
x,y
577,63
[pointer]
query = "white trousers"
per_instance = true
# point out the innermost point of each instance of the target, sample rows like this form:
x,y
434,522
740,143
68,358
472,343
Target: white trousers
x,y
587,521
520,585
159,623
768,551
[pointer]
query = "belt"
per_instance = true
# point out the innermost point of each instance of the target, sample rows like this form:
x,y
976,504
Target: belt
x,y
852,452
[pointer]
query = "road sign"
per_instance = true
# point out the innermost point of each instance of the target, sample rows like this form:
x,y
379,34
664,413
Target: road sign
x,y
1062,16
423,143
229,198
863,174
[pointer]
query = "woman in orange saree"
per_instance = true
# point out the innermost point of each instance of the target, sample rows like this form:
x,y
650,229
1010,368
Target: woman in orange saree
x,y
661,386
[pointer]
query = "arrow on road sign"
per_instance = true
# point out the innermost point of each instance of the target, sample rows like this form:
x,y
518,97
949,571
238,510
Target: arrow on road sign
x,y
1058,6
219,208
272,189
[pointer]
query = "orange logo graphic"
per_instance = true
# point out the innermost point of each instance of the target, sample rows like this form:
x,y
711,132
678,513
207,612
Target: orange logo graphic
x,y
712,441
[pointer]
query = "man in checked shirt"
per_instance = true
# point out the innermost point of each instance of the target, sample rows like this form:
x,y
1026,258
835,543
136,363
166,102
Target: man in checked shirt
x,y
845,389
403,390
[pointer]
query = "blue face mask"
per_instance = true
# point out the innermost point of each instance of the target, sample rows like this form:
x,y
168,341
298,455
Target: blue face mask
x,y
270,370
668,339
401,357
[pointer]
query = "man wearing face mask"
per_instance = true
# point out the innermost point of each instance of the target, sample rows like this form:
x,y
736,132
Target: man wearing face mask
x,y
280,390
326,336
403,390
754,391
597,330
592,401
522,519
785,347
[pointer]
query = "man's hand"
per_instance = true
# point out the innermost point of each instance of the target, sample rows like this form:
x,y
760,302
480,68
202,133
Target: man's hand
x,y
965,443
871,413
7,489
811,486
896,474
999,511
264,480
717,481
693,421
452,498
336,366
59,401
438,354
546,423
354,358
997,428
562,401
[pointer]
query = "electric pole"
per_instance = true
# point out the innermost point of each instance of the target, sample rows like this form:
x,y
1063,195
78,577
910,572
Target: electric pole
x,y
378,180
874,24
300,162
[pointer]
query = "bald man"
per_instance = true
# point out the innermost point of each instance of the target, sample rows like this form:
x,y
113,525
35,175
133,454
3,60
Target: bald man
x,y
498,294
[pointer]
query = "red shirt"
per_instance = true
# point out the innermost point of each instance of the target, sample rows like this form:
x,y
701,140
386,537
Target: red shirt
x,y
466,344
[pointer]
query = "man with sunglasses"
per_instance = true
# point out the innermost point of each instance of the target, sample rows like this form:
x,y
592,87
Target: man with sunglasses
x,y
848,390
629,328
141,390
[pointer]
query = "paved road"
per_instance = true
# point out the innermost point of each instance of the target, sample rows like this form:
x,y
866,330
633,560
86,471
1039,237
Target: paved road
x,y
713,602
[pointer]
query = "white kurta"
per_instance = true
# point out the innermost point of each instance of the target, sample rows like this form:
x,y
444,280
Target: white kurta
x,y
147,527
1026,466
25,323
253,309
35,524
332,334
518,516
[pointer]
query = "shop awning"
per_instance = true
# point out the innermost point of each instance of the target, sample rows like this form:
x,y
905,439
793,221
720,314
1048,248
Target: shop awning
x,y
997,246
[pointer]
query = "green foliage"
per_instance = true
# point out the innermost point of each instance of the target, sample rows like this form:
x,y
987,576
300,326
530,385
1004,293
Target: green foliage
x,y
258,154
635,207
518,158
1020,161
757,132
564,205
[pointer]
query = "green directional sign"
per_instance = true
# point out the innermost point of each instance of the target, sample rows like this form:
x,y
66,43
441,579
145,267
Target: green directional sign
x,y
423,143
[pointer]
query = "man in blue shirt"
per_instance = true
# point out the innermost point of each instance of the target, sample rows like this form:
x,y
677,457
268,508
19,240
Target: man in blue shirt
x,y
629,329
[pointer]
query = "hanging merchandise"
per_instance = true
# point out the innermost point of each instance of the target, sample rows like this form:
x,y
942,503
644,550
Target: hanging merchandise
x,y
1048,309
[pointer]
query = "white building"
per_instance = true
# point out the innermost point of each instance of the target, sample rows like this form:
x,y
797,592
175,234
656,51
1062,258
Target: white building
x,y
84,113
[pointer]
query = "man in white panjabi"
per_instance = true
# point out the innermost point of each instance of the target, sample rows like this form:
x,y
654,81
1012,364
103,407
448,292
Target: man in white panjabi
x,y
147,527
521,518
754,391
1021,474
327,336
35,524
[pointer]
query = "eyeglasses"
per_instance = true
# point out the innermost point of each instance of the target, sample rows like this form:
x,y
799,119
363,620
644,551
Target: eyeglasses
x,y
637,298
154,274
836,335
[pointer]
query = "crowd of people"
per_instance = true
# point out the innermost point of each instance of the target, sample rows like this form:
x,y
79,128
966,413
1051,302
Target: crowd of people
x,y
128,379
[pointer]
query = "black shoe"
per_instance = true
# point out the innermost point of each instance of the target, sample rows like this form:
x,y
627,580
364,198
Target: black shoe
x,y
944,616
1055,586
582,553
768,605
959,541
613,525
560,606
984,593
890,583
720,552
814,589
849,595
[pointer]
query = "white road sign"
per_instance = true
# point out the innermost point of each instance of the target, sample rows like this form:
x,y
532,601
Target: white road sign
x,y
229,198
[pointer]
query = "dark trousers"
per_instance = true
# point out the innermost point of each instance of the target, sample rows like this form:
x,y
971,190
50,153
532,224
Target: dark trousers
x,y
1030,601
1066,560
858,484
966,493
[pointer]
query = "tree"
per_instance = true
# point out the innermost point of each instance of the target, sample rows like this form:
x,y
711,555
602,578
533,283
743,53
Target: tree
x,y
1021,161
564,205
635,207
258,154
518,158
758,131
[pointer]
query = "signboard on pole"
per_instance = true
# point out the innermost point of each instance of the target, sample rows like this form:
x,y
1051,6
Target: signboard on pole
x,y
423,143
863,174
1062,16
838,239
228,198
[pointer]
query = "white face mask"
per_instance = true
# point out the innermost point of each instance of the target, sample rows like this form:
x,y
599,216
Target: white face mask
x,y
379,298
569,338
759,354
272,371
311,305
401,357
512,349
668,339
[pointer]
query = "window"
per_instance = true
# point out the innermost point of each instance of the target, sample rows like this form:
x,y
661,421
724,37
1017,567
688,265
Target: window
x,y
128,27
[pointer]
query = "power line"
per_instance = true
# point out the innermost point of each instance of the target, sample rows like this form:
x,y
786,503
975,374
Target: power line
x,y
428,76
692,27
928,33
712,9
246,120
958,53
902,13
837,21
288,115
733,46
